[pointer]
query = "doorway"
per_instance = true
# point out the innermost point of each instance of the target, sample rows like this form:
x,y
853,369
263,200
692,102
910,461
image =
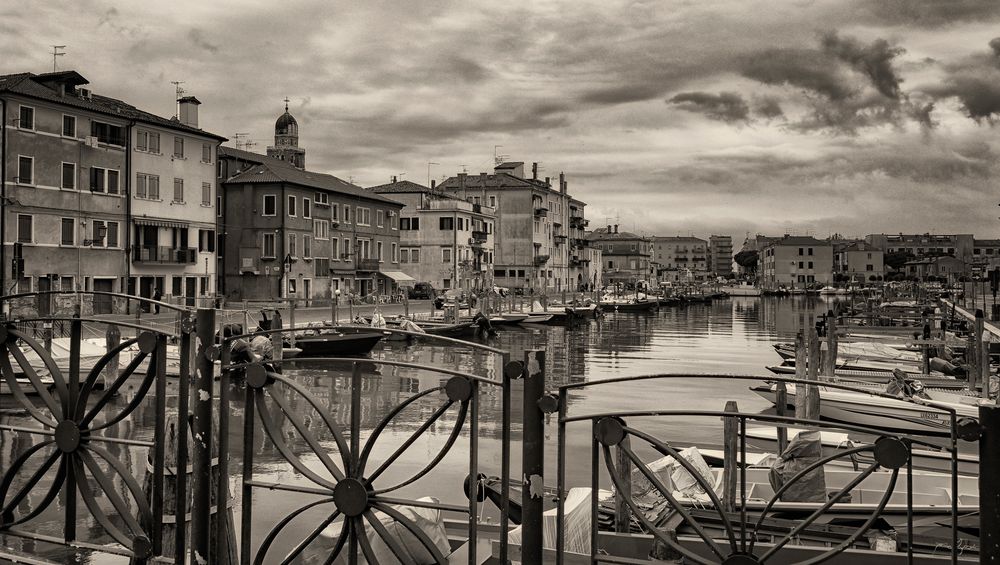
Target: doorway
x,y
190,290
102,302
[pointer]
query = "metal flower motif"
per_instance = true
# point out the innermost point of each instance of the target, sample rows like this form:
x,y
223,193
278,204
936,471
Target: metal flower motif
x,y
352,493
75,454
891,453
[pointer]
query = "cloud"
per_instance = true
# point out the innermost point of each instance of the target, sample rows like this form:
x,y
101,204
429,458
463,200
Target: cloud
x,y
873,60
197,37
727,107
975,82
768,107
929,13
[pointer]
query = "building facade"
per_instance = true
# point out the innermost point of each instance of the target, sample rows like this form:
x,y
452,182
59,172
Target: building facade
x,y
292,233
681,259
443,240
70,160
535,224
720,255
171,237
626,257
858,262
926,245
796,261
945,268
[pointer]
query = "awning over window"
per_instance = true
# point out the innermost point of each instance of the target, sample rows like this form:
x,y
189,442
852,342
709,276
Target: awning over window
x,y
399,277
160,223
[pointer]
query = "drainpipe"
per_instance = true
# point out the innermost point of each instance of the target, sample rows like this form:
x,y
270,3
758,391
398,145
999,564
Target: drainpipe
x,y
3,201
128,212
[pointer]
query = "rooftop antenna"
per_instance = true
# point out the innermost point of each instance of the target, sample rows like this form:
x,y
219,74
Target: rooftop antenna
x,y
497,157
237,137
178,90
429,163
248,144
464,169
56,53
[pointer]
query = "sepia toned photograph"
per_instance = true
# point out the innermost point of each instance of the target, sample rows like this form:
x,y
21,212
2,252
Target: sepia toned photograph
x,y
536,282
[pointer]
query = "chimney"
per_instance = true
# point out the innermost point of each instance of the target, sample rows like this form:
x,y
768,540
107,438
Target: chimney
x,y
482,179
188,111
433,184
461,180
534,171
562,180
616,228
609,229
393,178
547,181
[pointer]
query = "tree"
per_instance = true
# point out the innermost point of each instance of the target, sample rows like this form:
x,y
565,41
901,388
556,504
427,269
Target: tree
x,y
897,259
747,260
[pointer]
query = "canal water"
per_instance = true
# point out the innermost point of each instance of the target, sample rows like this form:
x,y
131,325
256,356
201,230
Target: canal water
x,y
732,336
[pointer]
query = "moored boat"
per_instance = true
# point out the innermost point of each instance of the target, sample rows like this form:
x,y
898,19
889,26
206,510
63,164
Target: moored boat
x,y
339,344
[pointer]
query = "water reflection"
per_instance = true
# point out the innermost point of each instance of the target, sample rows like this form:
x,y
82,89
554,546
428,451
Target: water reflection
x,y
731,336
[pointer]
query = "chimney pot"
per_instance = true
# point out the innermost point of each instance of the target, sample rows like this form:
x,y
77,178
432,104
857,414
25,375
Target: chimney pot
x,y
548,181
616,228
534,171
433,183
609,229
393,178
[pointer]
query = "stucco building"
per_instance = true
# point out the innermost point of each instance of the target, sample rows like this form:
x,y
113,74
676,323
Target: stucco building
x,y
71,161
720,255
796,261
540,228
680,258
858,261
293,233
926,245
626,257
443,240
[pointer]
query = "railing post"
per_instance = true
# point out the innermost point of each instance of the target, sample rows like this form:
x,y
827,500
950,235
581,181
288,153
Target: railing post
x,y
831,344
623,517
731,455
277,340
112,337
977,352
989,487
291,322
201,428
533,457
781,406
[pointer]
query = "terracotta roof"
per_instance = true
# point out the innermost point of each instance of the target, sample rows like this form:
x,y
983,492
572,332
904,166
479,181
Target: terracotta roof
x,y
798,240
499,180
403,186
509,165
31,85
602,234
271,170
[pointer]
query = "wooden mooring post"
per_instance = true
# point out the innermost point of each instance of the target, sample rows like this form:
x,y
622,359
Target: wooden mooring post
x,y
807,368
533,457
989,487
201,433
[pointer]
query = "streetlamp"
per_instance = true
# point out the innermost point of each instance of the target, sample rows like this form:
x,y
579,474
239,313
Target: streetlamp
x,y
102,232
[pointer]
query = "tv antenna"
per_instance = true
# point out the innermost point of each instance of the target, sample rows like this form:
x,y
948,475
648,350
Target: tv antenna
x,y
56,53
429,163
248,144
237,137
178,90
498,157
464,168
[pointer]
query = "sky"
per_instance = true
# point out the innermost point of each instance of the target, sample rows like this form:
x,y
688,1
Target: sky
x,y
667,117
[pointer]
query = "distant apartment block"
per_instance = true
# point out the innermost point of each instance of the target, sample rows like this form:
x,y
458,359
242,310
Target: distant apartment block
x,y
796,261
626,257
720,255
681,258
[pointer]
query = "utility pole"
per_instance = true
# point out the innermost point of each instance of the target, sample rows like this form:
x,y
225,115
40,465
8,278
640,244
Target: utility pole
x,y
56,53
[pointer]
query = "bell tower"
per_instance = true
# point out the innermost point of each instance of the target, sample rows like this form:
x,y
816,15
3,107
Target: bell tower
x,y
286,140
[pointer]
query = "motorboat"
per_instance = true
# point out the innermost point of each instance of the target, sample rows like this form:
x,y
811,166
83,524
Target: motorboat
x,y
539,318
827,291
339,344
741,290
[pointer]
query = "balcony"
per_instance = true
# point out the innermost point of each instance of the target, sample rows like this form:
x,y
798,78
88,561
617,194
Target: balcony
x,y
478,236
578,222
165,255
541,260
560,238
541,212
366,265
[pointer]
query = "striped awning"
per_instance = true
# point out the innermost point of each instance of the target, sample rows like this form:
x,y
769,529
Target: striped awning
x,y
398,276
159,223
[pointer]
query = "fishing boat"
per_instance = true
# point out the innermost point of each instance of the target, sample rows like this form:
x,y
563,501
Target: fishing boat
x,y
581,311
827,291
907,416
339,344
508,318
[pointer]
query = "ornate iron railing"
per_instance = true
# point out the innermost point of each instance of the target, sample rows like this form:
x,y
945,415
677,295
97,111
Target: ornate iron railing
x,y
736,539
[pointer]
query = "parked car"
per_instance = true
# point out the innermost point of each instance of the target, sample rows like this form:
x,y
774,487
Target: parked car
x,y
422,291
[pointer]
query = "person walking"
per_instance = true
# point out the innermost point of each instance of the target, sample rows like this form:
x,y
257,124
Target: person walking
x,y
157,297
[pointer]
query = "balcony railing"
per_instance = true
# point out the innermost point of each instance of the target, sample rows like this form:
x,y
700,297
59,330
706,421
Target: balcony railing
x,y
478,236
164,254
541,212
541,259
560,238
367,265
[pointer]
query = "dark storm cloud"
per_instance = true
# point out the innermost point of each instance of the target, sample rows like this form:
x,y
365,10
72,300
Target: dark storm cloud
x,y
726,106
929,13
768,107
873,60
808,69
975,82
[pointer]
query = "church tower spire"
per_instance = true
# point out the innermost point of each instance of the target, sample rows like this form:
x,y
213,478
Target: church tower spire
x,y
286,140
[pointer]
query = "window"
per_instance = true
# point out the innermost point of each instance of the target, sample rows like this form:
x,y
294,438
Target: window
x,y
801,251
291,285
179,190
322,199
363,217
404,255
320,229
306,246
446,223
335,249
347,214
206,194
392,221
147,141
270,205
306,208
409,224
292,245
106,181
25,228
68,176
111,240
810,250
414,256
203,283
69,126
335,213
810,264
869,268
378,251
347,249
446,283
66,283
218,206
68,231
146,186
25,170
267,246
206,241
206,152
291,206
379,219
322,266
395,252
179,147
108,133
446,255
27,118
493,201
